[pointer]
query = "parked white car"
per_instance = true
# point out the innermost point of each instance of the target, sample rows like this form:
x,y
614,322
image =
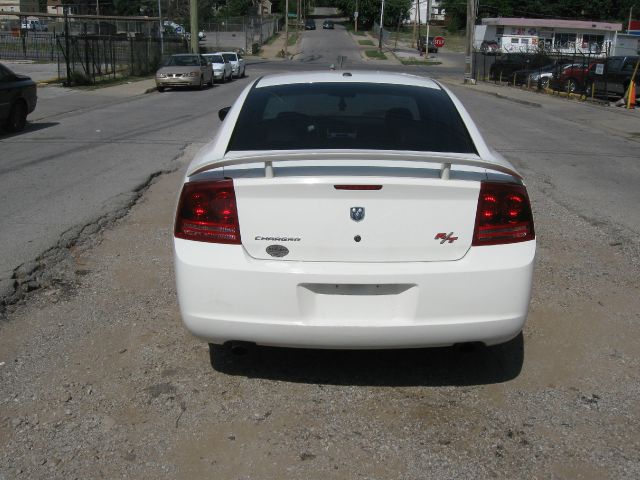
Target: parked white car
x,y
221,67
352,210
237,63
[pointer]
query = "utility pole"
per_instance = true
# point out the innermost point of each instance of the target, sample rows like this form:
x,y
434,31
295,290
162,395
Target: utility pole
x,y
629,24
193,7
428,19
414,41
286,28
468,52
67,45
160,30
261,21
356,15
381,23
98,13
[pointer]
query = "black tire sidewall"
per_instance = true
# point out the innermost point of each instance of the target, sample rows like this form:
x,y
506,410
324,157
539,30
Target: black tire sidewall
x,y
17,117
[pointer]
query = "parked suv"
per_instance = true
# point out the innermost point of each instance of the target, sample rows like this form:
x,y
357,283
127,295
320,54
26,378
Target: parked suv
x,y
614,78
572,77
489,47
422,42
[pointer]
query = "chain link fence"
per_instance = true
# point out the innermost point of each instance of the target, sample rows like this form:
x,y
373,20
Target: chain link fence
x,y
241,33
592,72
88,49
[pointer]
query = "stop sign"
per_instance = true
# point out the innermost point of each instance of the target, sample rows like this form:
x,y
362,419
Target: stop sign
x,y
438,42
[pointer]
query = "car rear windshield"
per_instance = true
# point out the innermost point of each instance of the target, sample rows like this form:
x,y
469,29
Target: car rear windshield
x,y
350,116
183,61
229,57
215,58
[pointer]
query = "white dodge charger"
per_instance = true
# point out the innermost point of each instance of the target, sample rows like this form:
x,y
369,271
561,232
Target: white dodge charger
x,y
352,210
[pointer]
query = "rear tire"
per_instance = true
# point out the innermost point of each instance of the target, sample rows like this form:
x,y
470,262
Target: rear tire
x,y
17,117
571,85
161,89
588,89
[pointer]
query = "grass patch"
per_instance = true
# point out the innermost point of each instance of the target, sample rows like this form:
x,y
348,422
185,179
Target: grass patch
x,y
351,28
110,82
272,39
375,54
366,42
293,38
415,61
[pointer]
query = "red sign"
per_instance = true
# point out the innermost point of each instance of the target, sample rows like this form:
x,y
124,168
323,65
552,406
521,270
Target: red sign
x,y
438,42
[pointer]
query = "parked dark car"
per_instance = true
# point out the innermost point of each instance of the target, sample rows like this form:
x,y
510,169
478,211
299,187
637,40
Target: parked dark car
x,y
614,79
422,42
327,24
18,98
506,65
489,47
540,77
309,24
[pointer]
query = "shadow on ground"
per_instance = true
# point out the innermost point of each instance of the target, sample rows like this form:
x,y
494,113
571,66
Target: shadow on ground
x,y
459,365
29,127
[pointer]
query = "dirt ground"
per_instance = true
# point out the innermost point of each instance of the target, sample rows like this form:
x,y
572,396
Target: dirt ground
x,y
98,378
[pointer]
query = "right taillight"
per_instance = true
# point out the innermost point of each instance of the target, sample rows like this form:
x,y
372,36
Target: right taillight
x,y
503,215
207,212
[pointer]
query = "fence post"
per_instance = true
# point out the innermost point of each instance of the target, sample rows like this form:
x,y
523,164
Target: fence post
x,y
67,44
131,56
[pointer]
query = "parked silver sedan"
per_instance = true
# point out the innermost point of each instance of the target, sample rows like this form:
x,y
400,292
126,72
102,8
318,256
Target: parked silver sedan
x,y
221,67
184,70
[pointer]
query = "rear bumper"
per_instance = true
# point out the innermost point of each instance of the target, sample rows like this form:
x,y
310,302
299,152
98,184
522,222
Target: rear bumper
x,y
226,295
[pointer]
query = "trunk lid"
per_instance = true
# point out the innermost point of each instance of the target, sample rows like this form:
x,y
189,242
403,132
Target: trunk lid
x,y
308,219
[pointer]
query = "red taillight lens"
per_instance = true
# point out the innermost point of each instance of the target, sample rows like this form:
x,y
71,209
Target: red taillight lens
x,y
503,215
207,212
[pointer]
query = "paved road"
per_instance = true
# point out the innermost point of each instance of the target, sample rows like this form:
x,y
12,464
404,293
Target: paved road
x,y
84,155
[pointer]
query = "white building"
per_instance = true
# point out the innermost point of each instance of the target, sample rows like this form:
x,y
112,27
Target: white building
x,y
562,36
19,6
437,12
627,45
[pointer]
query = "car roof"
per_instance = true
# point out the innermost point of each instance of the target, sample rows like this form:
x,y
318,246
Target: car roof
x,y
353,76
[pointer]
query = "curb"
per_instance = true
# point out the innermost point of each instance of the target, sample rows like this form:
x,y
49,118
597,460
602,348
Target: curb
x,y
48,81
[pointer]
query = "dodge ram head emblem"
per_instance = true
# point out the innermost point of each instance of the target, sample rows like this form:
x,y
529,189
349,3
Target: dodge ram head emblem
x,y
357,213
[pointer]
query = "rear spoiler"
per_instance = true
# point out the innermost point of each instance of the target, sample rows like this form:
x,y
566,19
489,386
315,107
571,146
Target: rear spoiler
x,y
498,164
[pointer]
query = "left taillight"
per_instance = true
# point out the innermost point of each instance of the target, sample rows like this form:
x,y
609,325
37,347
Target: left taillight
x,y
503,215
207,212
